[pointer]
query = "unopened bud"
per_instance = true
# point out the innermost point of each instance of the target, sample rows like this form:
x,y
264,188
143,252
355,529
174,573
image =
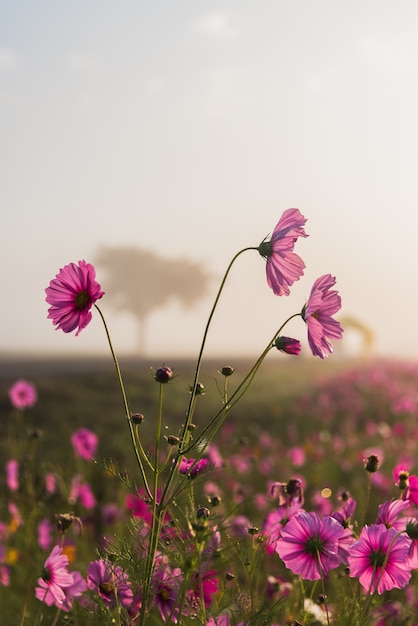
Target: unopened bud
x,y
227,370
137,418
371,464
403,480
163,374
173,440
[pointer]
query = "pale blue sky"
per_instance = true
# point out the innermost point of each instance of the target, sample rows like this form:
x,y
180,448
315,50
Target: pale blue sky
x,y
188,127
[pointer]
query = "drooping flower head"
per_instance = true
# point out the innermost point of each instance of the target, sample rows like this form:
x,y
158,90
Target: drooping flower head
x,y
308,545
54,579
23,395
283,266
380,559
322,304
71,295
110,582
84,442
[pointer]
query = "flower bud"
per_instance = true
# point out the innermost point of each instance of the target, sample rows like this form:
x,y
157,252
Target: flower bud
x,y
227,370
163,374
403,482
173,440
199,390
371,463
137,418
202,512
288,345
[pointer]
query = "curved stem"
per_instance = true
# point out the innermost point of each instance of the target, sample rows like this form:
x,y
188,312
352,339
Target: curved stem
x,y
218,419
126,406
241,389
184,438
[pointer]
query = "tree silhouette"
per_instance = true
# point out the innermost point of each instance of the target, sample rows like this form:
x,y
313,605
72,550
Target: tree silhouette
x,y
138,282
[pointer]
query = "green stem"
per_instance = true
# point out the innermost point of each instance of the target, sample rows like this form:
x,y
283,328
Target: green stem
x,y
239,392
157,512
126,406
190,410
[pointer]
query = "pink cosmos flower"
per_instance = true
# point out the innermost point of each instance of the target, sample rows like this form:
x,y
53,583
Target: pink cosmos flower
x,y
109,581
323,302
275,521
45,529
81,492
202,587
283,266
390,514
380,559
75,590
84,442
71,295
308,545
54,579
12,473
192,468
166,586
23,395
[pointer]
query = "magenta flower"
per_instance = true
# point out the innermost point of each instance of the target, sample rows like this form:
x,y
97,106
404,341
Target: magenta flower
x,y
380,559
283,266
322,304
390,514
288,345
166,586
54,579
110,582
192,468
308,545
23,395
84,442
71,295
202,587
12,473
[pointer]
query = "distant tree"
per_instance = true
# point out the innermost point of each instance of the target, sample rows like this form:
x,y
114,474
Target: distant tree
x,y
138,282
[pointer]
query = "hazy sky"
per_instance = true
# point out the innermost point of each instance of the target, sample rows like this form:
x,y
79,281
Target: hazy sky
x,y
188,127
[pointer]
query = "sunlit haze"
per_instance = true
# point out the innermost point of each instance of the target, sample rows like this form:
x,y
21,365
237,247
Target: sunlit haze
x,y
187,128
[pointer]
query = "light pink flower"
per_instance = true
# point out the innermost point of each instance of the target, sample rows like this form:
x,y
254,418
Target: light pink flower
x,y
75,590
84,442
322,304
81,492
71,295
23,395
54,579
283,266
308,545
380,559
12,473
45,528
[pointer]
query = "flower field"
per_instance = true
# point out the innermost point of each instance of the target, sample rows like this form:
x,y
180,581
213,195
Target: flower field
x,y
317,434
259,493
